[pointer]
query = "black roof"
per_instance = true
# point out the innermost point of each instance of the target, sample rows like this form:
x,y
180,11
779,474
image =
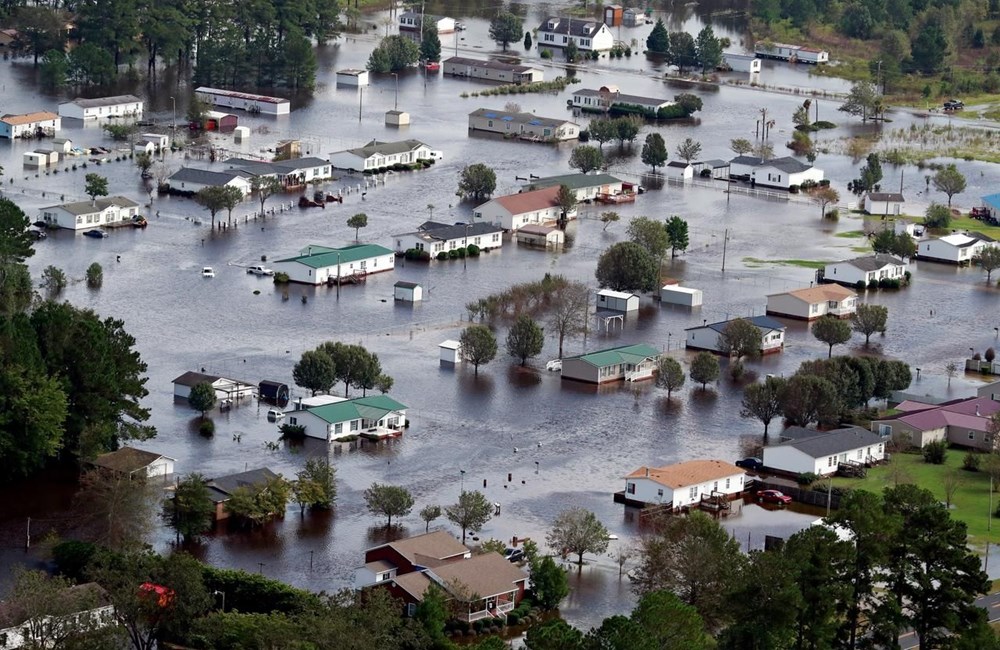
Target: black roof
x,y
229,484
573,26
830,443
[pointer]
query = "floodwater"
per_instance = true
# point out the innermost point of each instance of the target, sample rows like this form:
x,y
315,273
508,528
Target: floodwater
x,y
562,445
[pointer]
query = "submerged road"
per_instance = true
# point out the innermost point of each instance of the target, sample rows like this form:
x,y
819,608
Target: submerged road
x,y
990,602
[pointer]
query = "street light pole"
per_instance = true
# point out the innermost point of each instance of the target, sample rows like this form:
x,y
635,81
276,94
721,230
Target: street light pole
x,y
173,121
223,594
395,100
361,99
462,472
465,258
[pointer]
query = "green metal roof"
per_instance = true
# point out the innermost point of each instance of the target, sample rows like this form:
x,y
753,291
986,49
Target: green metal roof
x,y
574,181
323,256
374,407
626,354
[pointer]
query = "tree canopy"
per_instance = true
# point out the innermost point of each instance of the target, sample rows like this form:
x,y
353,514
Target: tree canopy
x,y
627,266
505,28
577,531
476,182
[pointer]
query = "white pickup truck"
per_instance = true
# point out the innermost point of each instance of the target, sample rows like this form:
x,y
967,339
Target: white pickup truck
x,y
260,269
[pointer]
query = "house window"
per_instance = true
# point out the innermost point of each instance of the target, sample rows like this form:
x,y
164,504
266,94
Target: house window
x,y
293,421
972,435
727,483
859,455
338,428
630,488
715,486
885,430
490,123
693,492
354,425
659,494
830,461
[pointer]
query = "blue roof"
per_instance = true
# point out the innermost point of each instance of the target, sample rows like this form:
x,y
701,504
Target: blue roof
x,y
507,118
992,200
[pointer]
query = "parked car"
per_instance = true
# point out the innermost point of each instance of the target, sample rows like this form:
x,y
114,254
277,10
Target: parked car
x,y
755,464
954,105
774,496
208,272
554,366
273,415
37,233
260,269
514,554
96,234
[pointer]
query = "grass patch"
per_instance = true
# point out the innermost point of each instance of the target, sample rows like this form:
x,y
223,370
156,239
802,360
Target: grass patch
x,y
968,223
861,249
851,233
805,264
970,504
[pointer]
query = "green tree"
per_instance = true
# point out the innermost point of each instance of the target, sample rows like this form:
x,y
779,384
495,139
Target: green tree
x,y
869,319
740,339
764,600
650,234
527,41
741,146
255,504
230,197
16,244
832,331
554,634
479,345
358,221
323,477
989,260
202,397
683,52
40,28
388,500
677,234
548,581
505,28
116,508
658,41
586,159
53,279
654,151
627,128
704,368
602,130
54,69
432,614
477,181
471,512
709,49
525,339
430,45
572,52
763,401
315,371
800,118
264,187
190,509
566,200
824,196
819,558
577,531
144,161
930,49
861,100
429,514
212,199
937,216
96,185
669,374
89,65
627,266
35,408
950,181
393,53
808,398
608,218
871,175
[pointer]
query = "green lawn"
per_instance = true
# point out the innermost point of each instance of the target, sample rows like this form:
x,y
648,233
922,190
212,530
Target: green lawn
x,y
851,233
971,502
806,264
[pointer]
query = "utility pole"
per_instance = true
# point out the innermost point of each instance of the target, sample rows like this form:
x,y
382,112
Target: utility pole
x,y
725,240
338,276
27,539
361,99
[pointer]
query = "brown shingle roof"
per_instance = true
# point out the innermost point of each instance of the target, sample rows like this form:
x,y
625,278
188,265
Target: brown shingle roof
x,y
692,472
127,460
415,584
28,118
530,201
483,575
429,549
821,293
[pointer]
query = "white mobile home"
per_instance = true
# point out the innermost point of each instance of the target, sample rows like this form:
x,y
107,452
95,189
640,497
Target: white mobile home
x,y
606,97
539,207
782,173
741,62
262,104
622,301
435,237
589,35
822,452
102,108
707,336
526,126
29,125
683,484
871,268
320,264
792,53
490,70
411,21
188,180
811,303
628,362
374,415
959,248
377,155
81,215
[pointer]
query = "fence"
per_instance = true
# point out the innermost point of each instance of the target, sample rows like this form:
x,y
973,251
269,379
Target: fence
x,y
803,495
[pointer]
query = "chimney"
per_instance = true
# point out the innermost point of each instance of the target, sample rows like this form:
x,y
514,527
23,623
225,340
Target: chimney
x,y
977,409
300,403
647,472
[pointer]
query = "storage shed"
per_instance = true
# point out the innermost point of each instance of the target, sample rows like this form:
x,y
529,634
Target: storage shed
x,y
450,351
673,294
544,236
64,145
408,291
51,157
219,121
617,301
34,159
273,391
352,77
241,133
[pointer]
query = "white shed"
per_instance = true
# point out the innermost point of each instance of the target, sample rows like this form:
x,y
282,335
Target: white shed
x,y
64,145
679,170
408,291
672,294
617,301
545,236
352,77
34,159
450,351
241,133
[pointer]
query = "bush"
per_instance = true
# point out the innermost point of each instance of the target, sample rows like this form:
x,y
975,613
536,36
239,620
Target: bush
x,y
452,254
281,278
833,214
971,462
736,370
990,355
935,452
442,256
72,557
206,428
859,285
806,478
546,54
825,182
823,124
461,253
473,250
584,136
977,357
292,430
888,283
808,184
793,189
873,284
425,256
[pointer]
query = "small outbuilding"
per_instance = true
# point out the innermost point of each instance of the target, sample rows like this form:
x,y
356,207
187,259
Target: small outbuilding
x,y
51,157
678,170
131,461
352,77
219,121
62,145
241,133
397,118
608,300
407,291
273,391
542,236
673,294
450,351
34,159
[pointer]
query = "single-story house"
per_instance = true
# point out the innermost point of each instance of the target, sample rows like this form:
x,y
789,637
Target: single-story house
x,y
407,291
782,173
523,125
793,53
101,108
80,607
29,124
220,490
352,77
542,236
435,237
682,484
964,422
190,180
374,415
884,203
490,70
673,294
706,337
628,362
160,141
589,35
409,555
539,207
821,452
132,461
811,303
678,170
741,62
991,203
871,268
606,97
587,187
81,215
317,264
291,173
225,388
623,301
959,248
376,155
411,21
263,104
990,390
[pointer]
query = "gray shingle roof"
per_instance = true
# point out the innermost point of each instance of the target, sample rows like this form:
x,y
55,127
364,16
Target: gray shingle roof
x,y
89,207
443,232
517,118
489,64
204,176
765,323
833,442
386,148
231,483
573,26
105,101
886,196
874,262
786,164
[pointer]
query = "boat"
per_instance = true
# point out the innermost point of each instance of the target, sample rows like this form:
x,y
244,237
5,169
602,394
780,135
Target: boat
x,y
615,199
96,234
207,272
139,221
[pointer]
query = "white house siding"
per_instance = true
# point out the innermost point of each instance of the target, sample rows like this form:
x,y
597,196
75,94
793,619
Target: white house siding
x,y
882,207
789,459
316,427
774,177
355,162
939,250
600,40
547,131
792,307
685,173
12,131
992,391
299,272
847,273
613,302
483,70
190,186
706,338
62,218
495,213
160,467
434,246
123,109
649,491
244,101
